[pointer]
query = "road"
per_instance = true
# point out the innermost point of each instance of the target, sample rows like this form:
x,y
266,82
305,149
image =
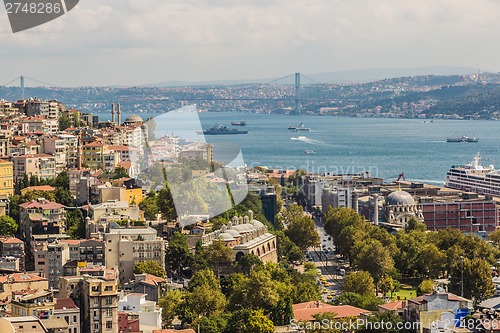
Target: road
x,y
327,262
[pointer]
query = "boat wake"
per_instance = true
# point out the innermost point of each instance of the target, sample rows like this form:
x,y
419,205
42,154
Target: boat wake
x,y
307,140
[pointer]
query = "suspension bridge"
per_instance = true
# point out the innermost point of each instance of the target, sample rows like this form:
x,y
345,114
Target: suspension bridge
x,y
296,97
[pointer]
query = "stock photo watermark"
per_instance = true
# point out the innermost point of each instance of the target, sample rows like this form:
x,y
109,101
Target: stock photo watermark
x,y
26,14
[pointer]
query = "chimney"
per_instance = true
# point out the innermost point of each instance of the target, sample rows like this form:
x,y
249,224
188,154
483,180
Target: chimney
x,y
113,113
375,211
119,114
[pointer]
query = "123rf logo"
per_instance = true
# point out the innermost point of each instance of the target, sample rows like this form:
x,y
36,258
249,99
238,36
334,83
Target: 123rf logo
x,y
26,14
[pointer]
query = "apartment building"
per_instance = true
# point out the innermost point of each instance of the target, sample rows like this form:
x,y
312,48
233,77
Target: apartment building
x,y
6,178
13,247
42,166
129,245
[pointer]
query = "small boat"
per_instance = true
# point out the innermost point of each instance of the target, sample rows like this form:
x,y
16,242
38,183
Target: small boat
x,y
463,138
292,127
299,138
309,152
302,128
239,123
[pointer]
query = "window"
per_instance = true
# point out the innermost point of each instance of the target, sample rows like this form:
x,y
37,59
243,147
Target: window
x,y
109,300
96,326
109,312
74,319
109,325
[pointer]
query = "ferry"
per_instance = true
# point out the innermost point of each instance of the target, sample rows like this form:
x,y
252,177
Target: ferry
x,y
463,138
301,128
239,123
222,130
309,152
474,177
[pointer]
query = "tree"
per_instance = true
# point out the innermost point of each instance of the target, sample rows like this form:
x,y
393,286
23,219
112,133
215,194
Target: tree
x,y
415,225
178,255
8,226
203,277
302,231
366,301
75,224
169,303
62,180
494,237
149,267
120,172
166,203
425,287
247,263
287,249
218,255
477,282
205,300
63,197
386,284
360,282
64,122
249,321
431,261
410,245
375,259
150,206
257,291
396,323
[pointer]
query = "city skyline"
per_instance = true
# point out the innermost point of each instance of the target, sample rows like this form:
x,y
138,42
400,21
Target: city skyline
x,y
134,43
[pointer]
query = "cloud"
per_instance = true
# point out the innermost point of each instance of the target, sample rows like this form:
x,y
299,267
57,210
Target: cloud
x,y
202,39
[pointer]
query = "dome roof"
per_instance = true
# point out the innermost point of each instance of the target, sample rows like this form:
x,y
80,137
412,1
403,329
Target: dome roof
x,y
233,233
226,237
133,119
399,198
257,224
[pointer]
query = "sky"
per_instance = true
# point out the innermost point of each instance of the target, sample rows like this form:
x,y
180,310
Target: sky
x,y
133,42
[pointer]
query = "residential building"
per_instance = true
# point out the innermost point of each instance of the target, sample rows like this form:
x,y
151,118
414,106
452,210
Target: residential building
x,y
41,217
42,166
126,246
20,281
89,251
56,147
152,286
97,298
31,302
336,197
148,311
197,151
50,257
66,309
6,178
13,247
100,215
435,311
25,324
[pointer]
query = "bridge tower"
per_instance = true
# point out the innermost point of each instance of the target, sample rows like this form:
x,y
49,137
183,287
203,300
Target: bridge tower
x,y
297,94
21,79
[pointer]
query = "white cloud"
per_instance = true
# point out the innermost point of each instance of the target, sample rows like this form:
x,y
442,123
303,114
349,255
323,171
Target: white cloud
x,y
130,41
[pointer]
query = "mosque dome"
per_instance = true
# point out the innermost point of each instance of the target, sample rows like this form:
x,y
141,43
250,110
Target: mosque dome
x,y
399,198
133,119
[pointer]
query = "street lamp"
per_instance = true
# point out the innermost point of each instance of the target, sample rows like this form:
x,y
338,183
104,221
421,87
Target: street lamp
x,y
462,277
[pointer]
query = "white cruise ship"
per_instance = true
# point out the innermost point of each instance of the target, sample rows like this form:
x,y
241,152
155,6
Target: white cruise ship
x,y
474,177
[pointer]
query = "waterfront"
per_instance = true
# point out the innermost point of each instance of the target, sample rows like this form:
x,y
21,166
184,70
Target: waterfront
x,y
385,147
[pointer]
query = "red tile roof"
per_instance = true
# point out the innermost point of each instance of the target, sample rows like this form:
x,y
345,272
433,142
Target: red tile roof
x,y
21,277
393,306
10,240
64,303
42,205
306,311
40,188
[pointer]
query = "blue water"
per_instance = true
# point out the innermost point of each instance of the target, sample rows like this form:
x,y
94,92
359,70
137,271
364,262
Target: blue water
x,y
385,147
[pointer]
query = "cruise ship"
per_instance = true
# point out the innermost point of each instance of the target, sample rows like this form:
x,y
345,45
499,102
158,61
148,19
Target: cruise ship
x,y
474,177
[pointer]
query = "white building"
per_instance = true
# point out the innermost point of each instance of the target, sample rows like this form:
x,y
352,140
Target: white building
x,y
148,311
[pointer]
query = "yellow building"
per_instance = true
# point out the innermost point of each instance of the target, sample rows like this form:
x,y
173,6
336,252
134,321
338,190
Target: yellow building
x,y
6,178
93,155
38,303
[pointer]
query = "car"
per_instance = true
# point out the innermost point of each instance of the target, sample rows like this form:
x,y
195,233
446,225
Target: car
x,y
324,240
327,284
342,271
329,238
329,296
325,291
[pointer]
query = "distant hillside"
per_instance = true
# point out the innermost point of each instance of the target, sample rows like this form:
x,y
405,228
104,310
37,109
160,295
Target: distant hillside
x,y
348,76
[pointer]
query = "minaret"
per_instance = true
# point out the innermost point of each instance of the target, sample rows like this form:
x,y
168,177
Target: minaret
x,y
355,203
79,149
113,113
375,209
119,115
